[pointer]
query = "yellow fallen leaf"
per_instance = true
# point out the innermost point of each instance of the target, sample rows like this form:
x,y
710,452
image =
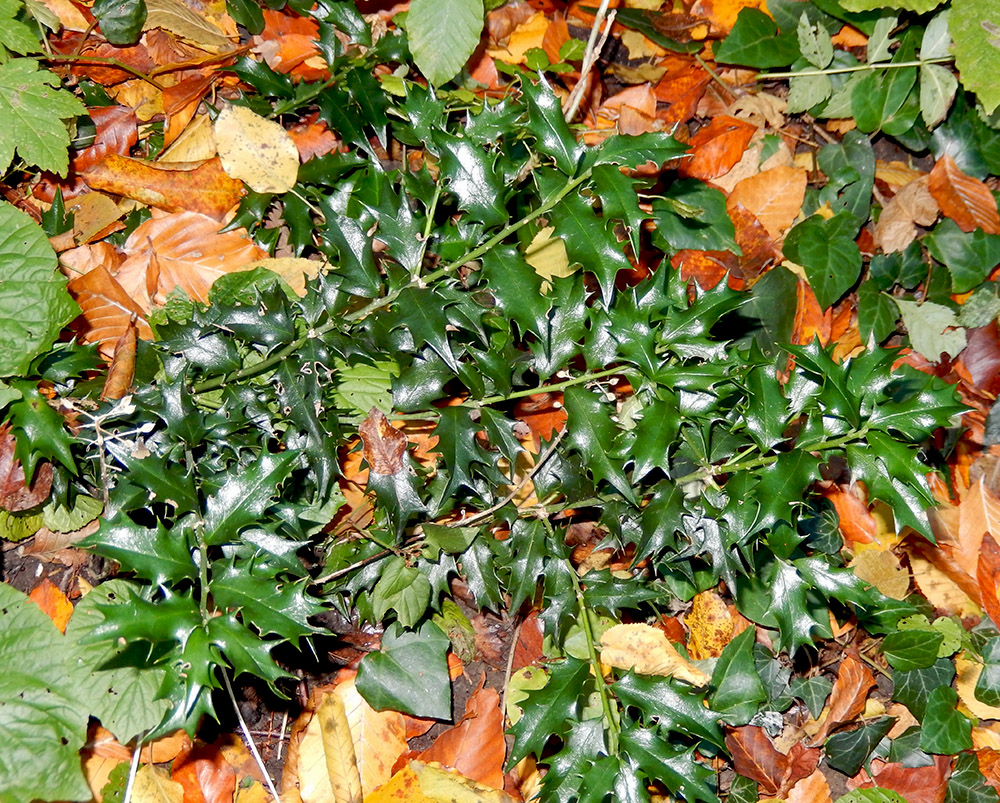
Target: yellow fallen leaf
x,y
881,569
153,785
178,19
645,649
256,151
710,625
195,144
941,591
529,34
967,676
430,783
294,270
338,748
547,255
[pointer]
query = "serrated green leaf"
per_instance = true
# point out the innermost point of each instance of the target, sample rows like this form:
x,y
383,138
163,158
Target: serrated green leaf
x,y
14,34
662,700
443,34
31,102
409,673
920,6
553,136
592,432
244,497
874,795
814,43
546,712
157,554
365,385
471,176
40,431
977,54
34,303
674,766
806,91
263,599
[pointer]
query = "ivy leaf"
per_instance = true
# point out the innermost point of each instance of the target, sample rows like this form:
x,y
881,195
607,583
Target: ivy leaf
x,y
754,41
31,102
846,752
593,433
34,303
968,256
546,711
661,699
402,589
244,497
828,253
911,649
443,34
409,673
945,730
967,784
122,20
913,688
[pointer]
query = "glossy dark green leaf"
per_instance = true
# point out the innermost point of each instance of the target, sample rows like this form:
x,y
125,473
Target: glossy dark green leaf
x,y
121,20
471,177
967,784
738,689
592,432
877,313
40,431
693,216
970,257
157,554
945,730
409,673
244,497
528,550
847,751
671,704
674,766
547,711
553,136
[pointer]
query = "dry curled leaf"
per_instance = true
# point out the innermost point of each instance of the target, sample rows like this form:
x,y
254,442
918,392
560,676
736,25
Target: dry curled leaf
x,y
645,649
847,700
15,494
384,445
966,200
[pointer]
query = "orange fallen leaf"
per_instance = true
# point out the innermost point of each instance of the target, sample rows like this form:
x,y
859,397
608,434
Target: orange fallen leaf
x,y
988,576
182,249
708,268
914,784
205,775
857,524
201,187
122,368
847,700
966,200
723,13
54,602
811,321
475,746
811,789
774,197
107,310
717,147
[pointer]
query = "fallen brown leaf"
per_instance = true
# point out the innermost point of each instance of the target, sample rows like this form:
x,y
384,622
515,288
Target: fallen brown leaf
x,y
966,200
847,700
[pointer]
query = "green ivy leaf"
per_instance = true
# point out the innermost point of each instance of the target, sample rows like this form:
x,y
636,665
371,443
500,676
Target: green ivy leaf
x,y
443,34
913,688
967,784
911,649
121,20
409,673
828,253
968,256
846,752
738,688
945,730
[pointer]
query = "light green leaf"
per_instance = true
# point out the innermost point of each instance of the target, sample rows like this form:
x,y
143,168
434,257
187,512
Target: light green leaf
x,y
936,43
806,91
30,105
814,42
937,90
34,304
402,589
14,34
443,34
365,385
881,39
920,6
926,324
973,24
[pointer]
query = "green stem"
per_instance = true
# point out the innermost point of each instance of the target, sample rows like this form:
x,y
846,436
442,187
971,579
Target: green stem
x,y
610,718
199,534
879,65
380,303
293,103
568,383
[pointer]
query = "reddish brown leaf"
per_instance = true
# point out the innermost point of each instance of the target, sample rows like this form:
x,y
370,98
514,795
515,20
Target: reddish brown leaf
x,y
205,775
756,758
384,445
201,187
15,494
811,789
51,599
857,524
528,648
802,763
847,700
475,746
810,319
981,357
543,413
988,576
758,249
966,200
122,368
915,784
180,102
717,147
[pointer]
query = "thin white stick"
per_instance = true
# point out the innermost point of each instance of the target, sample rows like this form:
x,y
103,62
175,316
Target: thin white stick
x,y
132,771
249,739
281,734
589,58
